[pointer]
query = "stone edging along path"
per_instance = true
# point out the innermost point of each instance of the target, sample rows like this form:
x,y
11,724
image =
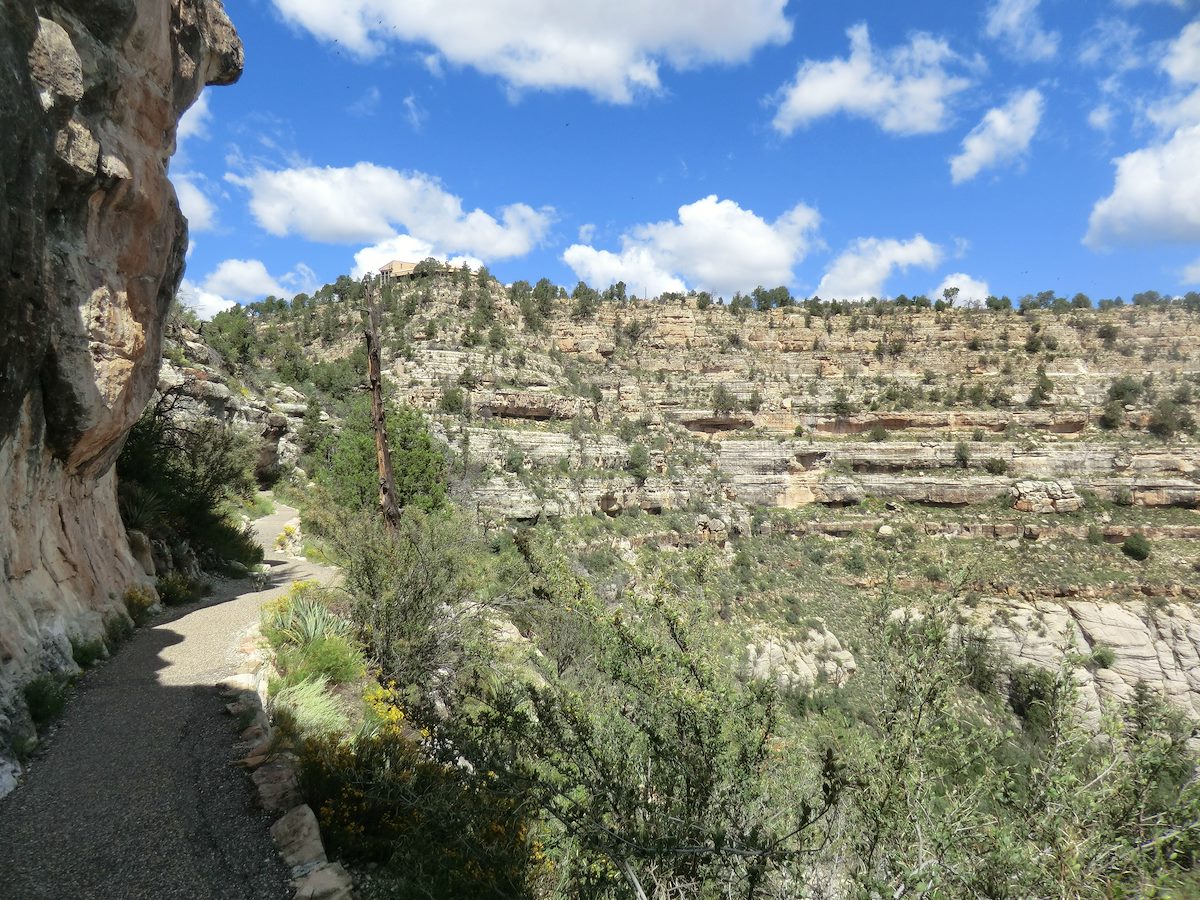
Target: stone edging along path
x,y
296,833
274,772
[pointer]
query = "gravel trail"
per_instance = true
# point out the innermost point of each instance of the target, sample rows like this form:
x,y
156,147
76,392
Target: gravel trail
x,y
135,796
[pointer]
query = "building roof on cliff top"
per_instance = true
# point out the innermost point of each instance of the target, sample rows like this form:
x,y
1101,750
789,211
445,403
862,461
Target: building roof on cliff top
x,y
398,267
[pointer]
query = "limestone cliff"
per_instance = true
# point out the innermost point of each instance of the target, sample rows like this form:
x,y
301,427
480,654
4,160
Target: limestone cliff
x,y
91,252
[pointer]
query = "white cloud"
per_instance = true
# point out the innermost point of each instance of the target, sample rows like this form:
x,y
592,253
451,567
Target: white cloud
x,y
1191,274
1182,61
1001,138
610,48
366,202
637,266
201,212
1018,24
194,123
205,303
404,247
1101,117
1156,195
243,280
904,91
368,104
1182,64
415,113
714,245
864,268
971,291
1112,43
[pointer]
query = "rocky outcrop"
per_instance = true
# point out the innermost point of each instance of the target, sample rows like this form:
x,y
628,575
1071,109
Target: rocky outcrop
x,y
92,246
800,665
1157,644
1045,497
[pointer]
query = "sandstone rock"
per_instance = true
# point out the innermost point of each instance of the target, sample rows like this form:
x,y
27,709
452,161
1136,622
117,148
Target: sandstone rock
x,y
1045,497
143,552
298,837
329,882
277,786
800,665
93,244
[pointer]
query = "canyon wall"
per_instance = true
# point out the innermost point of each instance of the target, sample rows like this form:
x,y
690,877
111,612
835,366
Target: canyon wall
x,y
92,246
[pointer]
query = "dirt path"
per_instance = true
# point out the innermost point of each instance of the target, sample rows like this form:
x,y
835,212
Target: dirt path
x,y
135,796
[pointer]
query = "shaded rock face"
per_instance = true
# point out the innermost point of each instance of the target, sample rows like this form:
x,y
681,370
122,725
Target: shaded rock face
x,y
91,252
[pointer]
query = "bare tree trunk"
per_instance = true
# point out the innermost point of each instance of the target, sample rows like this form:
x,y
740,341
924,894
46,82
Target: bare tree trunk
x,y
383,454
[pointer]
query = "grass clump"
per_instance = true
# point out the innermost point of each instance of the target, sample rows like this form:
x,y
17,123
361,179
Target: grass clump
x,y
308,709
47,696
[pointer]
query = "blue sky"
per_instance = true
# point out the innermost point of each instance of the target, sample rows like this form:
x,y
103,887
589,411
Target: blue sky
x,y
848,149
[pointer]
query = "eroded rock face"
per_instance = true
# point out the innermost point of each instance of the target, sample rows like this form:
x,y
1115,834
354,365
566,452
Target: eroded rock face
x,y
91,252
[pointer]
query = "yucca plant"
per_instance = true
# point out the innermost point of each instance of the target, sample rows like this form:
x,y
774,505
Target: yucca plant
x,y
306,618
141,507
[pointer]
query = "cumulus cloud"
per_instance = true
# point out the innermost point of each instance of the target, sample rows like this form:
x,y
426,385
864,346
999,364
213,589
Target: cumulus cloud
x,y
610,48
237,281
864,268
1191,274
713,245
904,91
1182,64
1101,117
1018,24
971,291
200,211
404,247
370,203
243,280
204,303
194,123
1156,195
1002,137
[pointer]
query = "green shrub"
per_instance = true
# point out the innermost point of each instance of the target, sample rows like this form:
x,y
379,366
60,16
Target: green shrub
x,y
435,829
878,434
117,630
638,464
856,563
1095,535
1123,496
514,461
996,466
178,482
453,401
962,455
46,696
1136,546
1031,694
1102,657
139,603
177,589
87,653
307,708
